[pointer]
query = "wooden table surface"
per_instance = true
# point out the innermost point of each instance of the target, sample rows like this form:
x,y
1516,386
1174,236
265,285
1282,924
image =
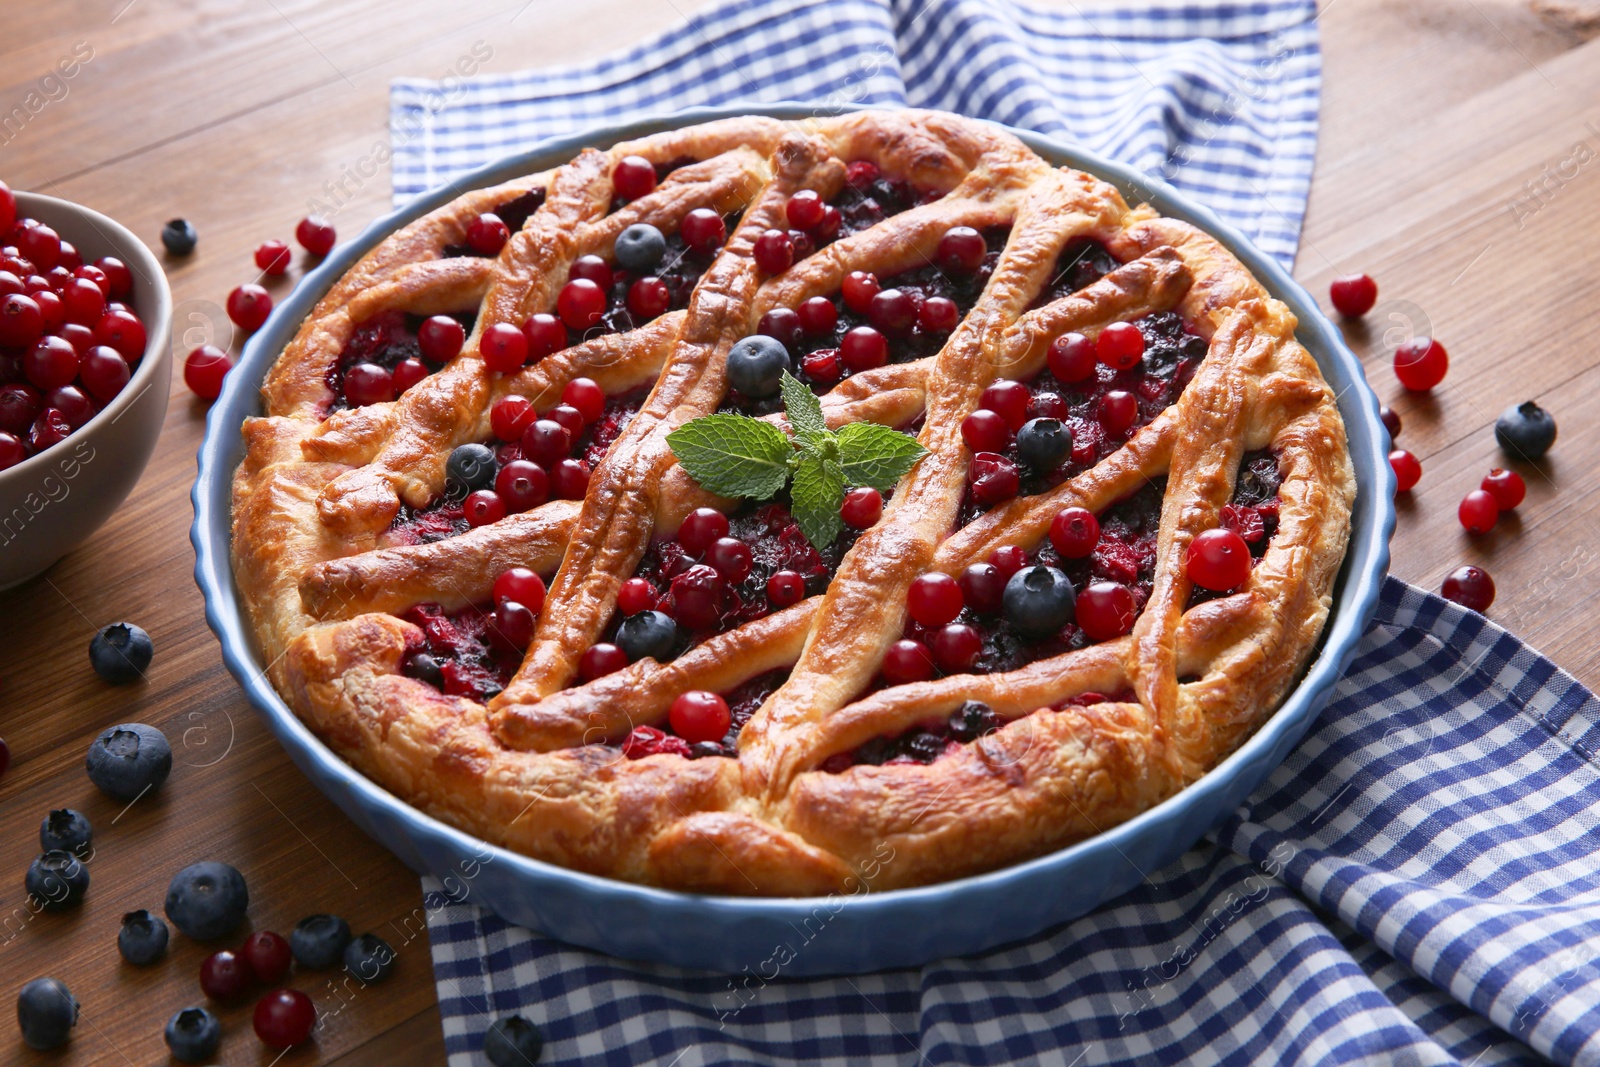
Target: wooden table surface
x,y
1459,164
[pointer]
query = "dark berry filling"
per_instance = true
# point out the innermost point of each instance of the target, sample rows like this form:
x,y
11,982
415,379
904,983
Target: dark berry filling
x,y
680,270
1082,262
386,340
460,652
1252,513
514,213
742,704
869,196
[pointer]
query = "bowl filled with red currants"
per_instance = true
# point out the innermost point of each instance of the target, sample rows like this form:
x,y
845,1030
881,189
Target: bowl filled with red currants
x,y
85,369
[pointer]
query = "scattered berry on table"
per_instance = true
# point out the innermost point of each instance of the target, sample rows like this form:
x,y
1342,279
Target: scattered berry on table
x,y
1471,587
1478,511
1507,488
1421,363
1391,420
57,881
193,1035
370,959
179,237
512,1041
272,257
46,1013
66,830
1039,599
225,975
126,760
316,235
1525,431
121,653
318,941
143,938
269,956
207,900
284,1018
248,307
1407,470
1353,294
1218,560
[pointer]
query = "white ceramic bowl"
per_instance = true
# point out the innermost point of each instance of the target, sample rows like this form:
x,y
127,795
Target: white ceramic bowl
x,y
50,503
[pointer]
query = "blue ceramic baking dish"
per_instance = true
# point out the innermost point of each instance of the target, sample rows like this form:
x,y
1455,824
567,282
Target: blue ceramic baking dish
x,y
832,935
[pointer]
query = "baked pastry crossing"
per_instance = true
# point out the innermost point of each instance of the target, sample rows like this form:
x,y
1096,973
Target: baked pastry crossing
x,y
760,507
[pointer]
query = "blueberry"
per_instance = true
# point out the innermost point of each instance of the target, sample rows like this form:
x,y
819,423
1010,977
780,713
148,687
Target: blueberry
x,y
121,653
318,941
126,760
425,667
207,900
639,248
369,959
756,365
1526,431
649,633
179,237
1043,443
46,1012
470,467
142,939
57,880
972,720
513,1042
193,1035
65,830
1039,599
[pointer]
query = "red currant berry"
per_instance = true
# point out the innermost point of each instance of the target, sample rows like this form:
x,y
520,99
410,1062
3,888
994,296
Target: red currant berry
x,y
824,365
48,430
513,624
1105,610
1421,363
440,338
633,177
818,316
774,252
204,370
284,1018
861,173
225,975
1353,294
803,244
786,588
21,321
703,230
8,209
511,416
103,372
1008,560
697,597
484,507
858,289
1048,406
961,250
40,244
731,558
804,209
893,311
12,452
522,586
504,348
982,587
1407,469
601,660
993,479
636,595
648,297
272,257
1074,532
545,333
782,324
523,485
1471,587
569,417
1009,400
1117,412
907,661
74,405
939,314
570,479
408,372
70,259
487,235
702,528
985,431
96,275
700,716
316,235
1478,511
862,507
832,219
586,395
546,441
51,310
592,268
249,306
368,383
80,337
122,330
934,599
269,956
51,363
20,404
1507,488
85,304
1120,346
864,348
119,278
956,648
1218,560
581,304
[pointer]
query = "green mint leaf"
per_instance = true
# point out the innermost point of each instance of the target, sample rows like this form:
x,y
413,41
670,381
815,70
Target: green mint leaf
x,y
815,497
803,408
733,455
870,454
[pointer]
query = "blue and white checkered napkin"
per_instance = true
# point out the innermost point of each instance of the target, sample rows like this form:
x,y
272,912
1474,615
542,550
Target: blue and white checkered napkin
x,y
1418,884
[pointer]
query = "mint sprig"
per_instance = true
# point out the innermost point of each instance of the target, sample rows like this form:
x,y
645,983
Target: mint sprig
x,y
743,457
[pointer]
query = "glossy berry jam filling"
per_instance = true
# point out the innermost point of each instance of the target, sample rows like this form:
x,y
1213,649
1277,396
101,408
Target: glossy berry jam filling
x,y
680,269
742,705
1252,513
1083,261
386,340
460,652
1172,354
869,196
514,213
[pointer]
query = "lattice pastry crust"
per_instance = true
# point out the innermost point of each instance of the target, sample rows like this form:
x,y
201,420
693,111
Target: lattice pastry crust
x,y
538,768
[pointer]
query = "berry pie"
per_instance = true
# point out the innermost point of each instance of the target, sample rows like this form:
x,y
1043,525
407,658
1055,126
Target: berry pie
x,y
768,507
